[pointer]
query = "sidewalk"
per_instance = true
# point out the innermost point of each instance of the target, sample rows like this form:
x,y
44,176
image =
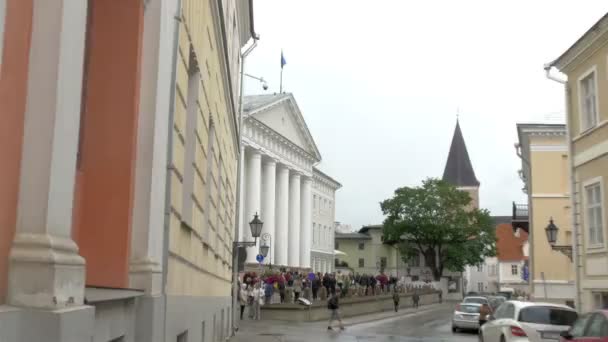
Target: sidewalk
x,y
258,330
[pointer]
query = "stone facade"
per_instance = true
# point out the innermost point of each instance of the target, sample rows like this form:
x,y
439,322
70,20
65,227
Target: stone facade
x,y
98,240
584,63
323,218
278,180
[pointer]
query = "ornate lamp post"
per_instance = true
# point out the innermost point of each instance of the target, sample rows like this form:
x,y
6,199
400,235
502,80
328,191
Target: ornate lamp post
x,y
551,231
256,229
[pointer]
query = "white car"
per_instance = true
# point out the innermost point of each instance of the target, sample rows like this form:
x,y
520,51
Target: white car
x,y
476,299
515,321
466,316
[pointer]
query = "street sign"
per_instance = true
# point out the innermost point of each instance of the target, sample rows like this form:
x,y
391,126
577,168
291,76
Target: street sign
x,y
259,258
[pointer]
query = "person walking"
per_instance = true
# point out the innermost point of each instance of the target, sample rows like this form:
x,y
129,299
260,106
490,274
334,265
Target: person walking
x,y
333,304
316,283
396,299
243,298
258,301
297,287
416,299
485,311
250,301
268,292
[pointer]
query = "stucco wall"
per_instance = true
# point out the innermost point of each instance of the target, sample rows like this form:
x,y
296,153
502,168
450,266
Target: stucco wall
x,y
201,252
550,199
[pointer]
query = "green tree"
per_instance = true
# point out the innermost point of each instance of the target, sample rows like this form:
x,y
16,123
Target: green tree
x,y
437,221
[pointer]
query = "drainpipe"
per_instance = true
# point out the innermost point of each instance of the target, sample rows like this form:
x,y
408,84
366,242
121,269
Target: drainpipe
x,y
237,218
177,17
530,220
573,205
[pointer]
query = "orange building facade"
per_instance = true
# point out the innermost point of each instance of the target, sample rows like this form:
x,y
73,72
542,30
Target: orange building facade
x,y
86,102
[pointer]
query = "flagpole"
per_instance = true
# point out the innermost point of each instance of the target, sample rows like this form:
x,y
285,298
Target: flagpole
x,y
281,82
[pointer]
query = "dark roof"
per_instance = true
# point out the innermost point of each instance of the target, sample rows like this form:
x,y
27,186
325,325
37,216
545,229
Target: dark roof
x,y
253,102
352,236
458,169
364,229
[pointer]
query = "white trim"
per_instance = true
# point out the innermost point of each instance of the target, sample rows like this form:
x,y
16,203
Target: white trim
x,y
549,148
590,131
564,282
591,70
543,195
596,248
322,252
591,153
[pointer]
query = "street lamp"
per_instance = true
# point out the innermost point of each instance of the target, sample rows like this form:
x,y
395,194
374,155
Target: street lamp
x,y
256,229
551,231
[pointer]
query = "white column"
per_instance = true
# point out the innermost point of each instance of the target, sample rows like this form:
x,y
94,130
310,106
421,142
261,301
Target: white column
x,y
294,220
151,163
305,221
281,240
254,183
269,174
45,268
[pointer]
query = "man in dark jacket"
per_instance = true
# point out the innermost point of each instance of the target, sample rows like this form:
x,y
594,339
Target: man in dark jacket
x,y
333,304
316,283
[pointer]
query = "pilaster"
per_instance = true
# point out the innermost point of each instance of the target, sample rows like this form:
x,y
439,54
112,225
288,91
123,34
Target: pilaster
x,y
46,270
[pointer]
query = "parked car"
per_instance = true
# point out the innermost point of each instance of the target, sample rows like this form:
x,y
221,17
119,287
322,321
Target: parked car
x,y
466,316
516,321
592,326
476,299
496,301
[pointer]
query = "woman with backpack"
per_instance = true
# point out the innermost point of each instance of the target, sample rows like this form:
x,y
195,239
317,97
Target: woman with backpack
x,y
333,304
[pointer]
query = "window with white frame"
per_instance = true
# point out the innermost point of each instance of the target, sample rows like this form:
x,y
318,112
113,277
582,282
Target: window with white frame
x,y
480,287
514,270
594,219
480,268
314,234
588,101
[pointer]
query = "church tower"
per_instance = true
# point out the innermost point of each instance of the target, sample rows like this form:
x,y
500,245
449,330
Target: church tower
x,y
458,169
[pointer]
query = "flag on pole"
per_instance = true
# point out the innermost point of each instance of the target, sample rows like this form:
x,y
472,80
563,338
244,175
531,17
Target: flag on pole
x,y
283,61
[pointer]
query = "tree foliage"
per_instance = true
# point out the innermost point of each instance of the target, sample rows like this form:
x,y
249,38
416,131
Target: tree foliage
x,y
437,221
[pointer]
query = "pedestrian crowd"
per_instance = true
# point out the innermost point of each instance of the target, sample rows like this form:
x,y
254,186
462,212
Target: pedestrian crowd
x,y
291,286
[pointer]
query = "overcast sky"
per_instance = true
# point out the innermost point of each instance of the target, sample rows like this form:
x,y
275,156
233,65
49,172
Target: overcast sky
x,y
379,84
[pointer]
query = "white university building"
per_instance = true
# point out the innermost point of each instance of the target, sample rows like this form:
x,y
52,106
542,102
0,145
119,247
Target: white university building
x,y
279,181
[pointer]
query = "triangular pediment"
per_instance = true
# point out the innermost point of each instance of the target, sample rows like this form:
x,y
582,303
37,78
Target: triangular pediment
x,y
282,114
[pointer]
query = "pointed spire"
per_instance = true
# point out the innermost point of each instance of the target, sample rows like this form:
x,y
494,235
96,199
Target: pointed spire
x,y
458,169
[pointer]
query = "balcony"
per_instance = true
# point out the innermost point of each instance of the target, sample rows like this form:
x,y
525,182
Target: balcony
x,y
520,217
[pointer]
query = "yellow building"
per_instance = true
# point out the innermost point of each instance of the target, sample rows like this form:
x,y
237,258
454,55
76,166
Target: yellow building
x,y
204,168
586,65
544,154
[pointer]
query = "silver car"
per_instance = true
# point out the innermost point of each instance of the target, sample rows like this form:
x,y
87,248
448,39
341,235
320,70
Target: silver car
x,y
466,316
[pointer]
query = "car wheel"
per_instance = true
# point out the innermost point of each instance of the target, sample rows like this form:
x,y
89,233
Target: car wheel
x,y
502,338
454,329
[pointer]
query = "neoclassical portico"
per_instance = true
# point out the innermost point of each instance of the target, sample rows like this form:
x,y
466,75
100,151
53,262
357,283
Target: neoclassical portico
x,y
279,155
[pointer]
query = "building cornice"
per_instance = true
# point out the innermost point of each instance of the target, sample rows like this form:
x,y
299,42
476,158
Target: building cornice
x,y
585,46
291,102
261,137
322,178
